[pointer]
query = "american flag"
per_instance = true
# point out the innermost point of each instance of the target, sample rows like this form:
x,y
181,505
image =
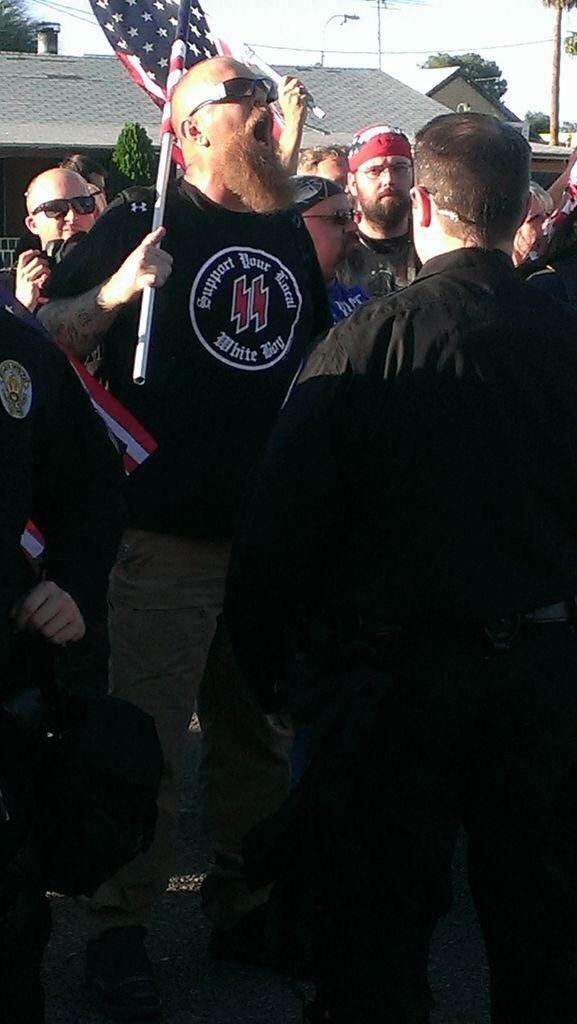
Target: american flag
x,y
143,33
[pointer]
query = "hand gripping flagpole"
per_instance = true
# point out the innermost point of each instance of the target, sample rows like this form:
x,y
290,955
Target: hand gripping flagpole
x,y
175,73
253,58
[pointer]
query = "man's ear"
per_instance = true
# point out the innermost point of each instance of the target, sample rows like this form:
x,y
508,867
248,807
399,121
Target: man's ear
x,y
190,130
421,202
352,184
30,222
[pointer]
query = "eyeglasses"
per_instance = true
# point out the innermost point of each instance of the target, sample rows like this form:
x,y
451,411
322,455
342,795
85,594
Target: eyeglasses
x,y
59,207
236,89
341,217
377,172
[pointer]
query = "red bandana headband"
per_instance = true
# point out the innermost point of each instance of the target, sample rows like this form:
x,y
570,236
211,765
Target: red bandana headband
x,y
378,140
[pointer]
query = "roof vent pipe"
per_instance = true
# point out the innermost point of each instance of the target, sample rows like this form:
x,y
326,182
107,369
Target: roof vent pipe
x,y
47,36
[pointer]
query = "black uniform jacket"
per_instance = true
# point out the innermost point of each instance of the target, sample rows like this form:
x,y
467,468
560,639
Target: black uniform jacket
x,y
424,468
59,469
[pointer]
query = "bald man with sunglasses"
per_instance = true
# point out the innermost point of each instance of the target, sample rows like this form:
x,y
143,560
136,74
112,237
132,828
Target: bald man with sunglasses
x,y
240,296
60,204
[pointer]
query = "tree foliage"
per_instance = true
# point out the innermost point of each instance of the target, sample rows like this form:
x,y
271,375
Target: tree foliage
x,y
17,28
538,120
485,74
133,160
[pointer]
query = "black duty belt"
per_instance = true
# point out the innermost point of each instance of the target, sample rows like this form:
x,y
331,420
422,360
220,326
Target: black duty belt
x,y
500,633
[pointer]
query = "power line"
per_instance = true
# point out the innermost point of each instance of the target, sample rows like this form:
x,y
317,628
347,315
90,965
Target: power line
x,y
69,11
402,53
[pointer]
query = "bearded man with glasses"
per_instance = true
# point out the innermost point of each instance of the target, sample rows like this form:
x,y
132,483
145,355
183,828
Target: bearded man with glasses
x,y
380,180
241,296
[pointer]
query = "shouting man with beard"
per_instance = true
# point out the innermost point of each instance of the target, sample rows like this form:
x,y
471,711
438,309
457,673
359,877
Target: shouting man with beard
x,y
380,179
241,296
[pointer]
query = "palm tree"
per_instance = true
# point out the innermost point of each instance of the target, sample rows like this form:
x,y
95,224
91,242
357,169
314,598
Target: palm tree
x,y
559,6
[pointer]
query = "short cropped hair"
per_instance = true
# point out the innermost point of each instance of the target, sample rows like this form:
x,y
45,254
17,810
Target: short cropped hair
x,y
477,169
310,159
84,165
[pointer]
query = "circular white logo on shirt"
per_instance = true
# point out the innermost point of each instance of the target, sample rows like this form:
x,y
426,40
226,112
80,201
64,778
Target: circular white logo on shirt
x,y
244,307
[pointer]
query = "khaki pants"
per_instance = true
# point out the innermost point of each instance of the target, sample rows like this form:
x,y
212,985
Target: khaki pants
x,y
244,776
165,595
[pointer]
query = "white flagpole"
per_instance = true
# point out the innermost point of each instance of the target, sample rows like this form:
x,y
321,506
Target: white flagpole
x,y
177,58
148,295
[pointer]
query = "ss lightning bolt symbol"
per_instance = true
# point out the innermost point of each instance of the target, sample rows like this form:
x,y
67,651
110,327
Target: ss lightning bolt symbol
x,y
249,304
259,303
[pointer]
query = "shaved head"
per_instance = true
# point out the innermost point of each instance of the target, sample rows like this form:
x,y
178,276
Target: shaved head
x,y
190,90
227,143
57,183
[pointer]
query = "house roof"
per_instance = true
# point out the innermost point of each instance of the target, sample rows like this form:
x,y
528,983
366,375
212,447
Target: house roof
x,y
49,101
458,73
355,97
55,100
426,79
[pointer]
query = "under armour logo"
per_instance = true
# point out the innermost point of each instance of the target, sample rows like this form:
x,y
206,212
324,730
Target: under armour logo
x,y
249,303
138,207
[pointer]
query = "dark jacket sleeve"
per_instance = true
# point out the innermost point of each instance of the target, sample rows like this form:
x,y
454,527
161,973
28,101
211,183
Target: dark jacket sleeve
x,y
77,485
284,528
101,252
548,282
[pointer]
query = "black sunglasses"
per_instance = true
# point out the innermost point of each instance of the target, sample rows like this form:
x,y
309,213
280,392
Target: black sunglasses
x,y
236,89
341,217
60,207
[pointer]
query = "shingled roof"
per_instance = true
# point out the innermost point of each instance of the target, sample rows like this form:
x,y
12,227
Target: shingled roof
x,y
83,102
355,97
75,102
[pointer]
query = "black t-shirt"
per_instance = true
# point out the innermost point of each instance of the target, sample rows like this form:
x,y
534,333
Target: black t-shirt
x,y
390,257
245,299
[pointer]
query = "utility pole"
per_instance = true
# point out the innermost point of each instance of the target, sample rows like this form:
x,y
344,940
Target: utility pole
x,y
379,4
387,5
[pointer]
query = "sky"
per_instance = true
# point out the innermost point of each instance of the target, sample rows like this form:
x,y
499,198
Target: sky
x,y
516,34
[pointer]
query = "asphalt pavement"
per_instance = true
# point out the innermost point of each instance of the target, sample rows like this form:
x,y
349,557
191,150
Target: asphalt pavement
x,y
196,990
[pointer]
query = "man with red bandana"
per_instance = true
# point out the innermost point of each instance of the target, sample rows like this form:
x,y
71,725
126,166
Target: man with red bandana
x,y
380,179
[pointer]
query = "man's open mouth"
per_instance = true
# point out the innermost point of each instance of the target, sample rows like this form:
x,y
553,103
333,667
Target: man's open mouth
x,y
261,132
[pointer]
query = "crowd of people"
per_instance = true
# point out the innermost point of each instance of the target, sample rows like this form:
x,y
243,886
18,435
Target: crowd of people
x,y
349,541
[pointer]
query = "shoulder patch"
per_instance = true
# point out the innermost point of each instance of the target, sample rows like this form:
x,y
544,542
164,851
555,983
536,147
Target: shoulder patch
x,y
15,389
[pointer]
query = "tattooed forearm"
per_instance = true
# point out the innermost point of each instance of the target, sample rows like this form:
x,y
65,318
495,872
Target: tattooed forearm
x,y
79,323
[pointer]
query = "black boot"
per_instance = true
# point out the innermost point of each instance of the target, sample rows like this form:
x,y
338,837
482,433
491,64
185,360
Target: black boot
x,y
120,975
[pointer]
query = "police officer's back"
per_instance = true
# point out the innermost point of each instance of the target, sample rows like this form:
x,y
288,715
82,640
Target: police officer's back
x,y
60,484
419,494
